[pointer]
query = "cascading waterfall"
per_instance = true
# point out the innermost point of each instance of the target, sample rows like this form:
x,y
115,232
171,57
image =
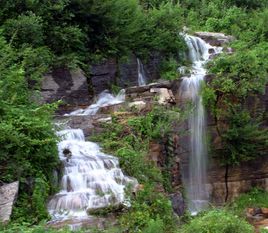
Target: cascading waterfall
x,y
195,178
141,73
104,99
91,179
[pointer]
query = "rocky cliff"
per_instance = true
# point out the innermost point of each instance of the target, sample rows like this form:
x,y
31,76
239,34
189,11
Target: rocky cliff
x,y
72,87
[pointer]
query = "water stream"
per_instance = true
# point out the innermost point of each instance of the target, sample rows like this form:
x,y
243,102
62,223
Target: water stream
x,y
195,178
104,99
142,79
91,179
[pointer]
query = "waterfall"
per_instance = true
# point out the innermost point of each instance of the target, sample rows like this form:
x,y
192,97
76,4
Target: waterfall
x,y
104,99
91,179
195,179
141,73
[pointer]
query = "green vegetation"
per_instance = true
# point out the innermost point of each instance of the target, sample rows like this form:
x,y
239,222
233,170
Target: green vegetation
x,y
26,228
219,221
80,32
28,151
238,78
37,36
129,141
256,198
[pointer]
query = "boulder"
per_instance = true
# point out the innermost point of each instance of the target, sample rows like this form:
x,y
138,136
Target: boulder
x,y
164,95
8,195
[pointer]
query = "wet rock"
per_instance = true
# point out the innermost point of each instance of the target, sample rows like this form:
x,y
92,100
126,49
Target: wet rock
x,y
67,153
8,195
161,93
178,203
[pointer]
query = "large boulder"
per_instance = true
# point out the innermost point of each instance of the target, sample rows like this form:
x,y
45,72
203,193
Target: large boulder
x,y
8,195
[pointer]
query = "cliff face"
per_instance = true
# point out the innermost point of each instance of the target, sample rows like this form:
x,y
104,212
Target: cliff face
x,y
69,86
122,74
73,88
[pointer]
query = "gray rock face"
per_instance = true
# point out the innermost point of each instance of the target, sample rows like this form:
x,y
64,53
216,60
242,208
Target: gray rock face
x,y
69,86
178,204
103,75
8,195
124,75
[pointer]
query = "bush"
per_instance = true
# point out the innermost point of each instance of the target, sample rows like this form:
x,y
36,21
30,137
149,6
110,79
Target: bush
x,y
217,221
26,29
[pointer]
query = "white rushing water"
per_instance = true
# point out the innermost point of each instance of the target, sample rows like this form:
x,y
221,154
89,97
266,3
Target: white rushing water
x,y
104,99
91,179
142,80
195,178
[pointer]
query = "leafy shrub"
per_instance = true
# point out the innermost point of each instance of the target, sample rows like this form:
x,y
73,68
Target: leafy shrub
x,y
154,226
219,221
169,69
26,29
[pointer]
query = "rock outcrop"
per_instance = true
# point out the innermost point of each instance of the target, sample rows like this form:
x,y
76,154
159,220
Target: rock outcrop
x,y
214,38
8,195
69,86
108,73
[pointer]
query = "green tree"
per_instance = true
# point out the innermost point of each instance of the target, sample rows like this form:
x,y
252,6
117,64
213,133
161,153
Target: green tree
x,y
26,135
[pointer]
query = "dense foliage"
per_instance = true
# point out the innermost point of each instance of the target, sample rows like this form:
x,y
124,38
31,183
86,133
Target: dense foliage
x,y
77,32
219,221
28,143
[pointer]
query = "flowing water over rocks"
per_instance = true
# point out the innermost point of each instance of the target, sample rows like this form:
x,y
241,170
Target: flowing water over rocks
x,y
141,73
195,178
91,179
104,99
